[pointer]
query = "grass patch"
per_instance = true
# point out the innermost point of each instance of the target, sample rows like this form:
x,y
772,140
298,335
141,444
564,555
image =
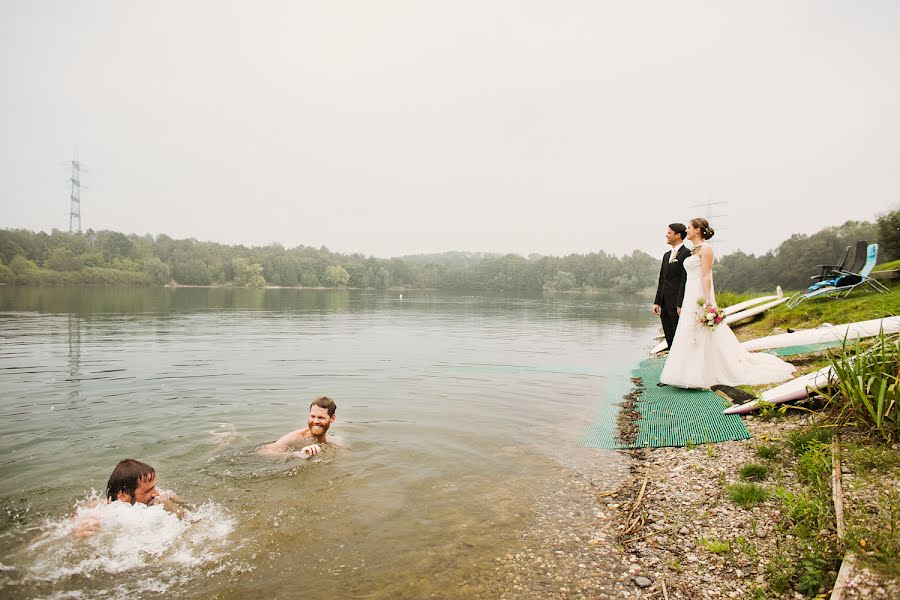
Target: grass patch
x,y
745,546
818,567
800,440
888,266
860,305
754,472
766,452
867,457
716,546
779,573
747,495
814,466
807,512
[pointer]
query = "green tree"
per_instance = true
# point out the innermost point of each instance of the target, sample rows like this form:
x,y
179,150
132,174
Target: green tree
x,y
6,275
564,281
888,226
62,259
337,276
157,270
19,265
246,274
114,244
192,272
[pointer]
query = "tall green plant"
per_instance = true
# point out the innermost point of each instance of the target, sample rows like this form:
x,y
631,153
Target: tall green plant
x,y
868,384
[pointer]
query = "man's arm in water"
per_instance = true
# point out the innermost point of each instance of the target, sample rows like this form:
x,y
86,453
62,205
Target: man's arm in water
x,y
283,444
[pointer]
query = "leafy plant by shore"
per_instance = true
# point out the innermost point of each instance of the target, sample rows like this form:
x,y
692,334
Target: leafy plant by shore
x,y
868,385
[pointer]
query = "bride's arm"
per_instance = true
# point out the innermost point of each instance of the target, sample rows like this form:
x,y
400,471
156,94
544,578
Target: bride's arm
x,y
706,261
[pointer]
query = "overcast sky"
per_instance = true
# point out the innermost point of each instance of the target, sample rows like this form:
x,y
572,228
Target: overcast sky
x,y
398,127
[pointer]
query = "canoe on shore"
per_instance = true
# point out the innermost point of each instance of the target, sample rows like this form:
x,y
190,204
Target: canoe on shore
x,y
795,389
825,334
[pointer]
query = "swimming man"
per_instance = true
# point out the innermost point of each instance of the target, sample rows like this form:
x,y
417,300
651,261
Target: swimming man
x,y
321,416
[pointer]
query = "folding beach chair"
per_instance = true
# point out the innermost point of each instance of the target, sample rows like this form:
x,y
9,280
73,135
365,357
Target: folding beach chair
x,y
846,282
829,273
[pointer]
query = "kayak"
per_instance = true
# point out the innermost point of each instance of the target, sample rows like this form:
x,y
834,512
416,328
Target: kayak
x,y
795,389
824,334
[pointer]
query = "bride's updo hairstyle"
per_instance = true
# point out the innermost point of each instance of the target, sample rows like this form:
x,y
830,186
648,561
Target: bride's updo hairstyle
x,y
703,225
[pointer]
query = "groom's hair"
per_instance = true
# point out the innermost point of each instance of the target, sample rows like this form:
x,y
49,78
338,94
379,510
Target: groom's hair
x,y
678,228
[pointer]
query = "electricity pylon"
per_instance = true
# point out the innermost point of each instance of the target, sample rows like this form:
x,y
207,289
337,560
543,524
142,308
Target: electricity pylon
x,y
75,210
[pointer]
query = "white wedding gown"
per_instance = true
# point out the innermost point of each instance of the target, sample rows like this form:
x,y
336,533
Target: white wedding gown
x,y
701,357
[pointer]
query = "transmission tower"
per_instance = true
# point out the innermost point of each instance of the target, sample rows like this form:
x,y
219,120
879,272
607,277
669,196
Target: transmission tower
x,y
75,210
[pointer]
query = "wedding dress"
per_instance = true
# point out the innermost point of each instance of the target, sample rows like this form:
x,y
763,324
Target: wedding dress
x,y
701,356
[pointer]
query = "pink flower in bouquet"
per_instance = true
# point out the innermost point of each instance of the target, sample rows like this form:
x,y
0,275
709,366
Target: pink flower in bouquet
x,y
710,316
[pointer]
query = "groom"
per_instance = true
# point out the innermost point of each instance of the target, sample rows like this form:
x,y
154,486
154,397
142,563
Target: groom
x,y
670,291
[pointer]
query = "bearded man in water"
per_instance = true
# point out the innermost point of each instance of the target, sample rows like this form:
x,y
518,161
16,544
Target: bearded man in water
x,y
320,418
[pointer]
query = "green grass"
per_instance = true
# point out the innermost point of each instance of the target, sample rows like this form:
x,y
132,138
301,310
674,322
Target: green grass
x,y
877,532
716,546
747,495
800,440
814,466
872,456
889,266
860,305
766,452
754,472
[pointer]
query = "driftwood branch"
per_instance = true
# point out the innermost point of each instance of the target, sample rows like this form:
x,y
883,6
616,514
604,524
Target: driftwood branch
x,y
843,577
837,489
637,502
837,492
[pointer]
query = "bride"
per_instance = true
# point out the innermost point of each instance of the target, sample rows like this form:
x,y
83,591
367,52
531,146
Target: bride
x,y
701,356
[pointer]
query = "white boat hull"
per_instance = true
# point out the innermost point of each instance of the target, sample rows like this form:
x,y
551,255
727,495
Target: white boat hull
x,y
831,333
752,312
795,389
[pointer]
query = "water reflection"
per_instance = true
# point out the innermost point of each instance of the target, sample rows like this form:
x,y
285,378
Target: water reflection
x,y
624,309
74,351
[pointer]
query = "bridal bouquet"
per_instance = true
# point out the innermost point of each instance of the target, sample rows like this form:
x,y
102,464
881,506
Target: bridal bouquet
x,y
710,317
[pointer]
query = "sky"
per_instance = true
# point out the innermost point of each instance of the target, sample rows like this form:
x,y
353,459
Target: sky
x,y
390,127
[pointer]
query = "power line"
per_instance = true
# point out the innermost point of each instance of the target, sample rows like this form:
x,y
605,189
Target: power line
x,y
711,216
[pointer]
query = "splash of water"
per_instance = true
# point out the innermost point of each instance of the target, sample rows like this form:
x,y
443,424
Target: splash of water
x,y
146,539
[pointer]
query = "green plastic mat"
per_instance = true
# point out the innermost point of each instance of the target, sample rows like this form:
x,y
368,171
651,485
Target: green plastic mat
x,y
670,416
805,348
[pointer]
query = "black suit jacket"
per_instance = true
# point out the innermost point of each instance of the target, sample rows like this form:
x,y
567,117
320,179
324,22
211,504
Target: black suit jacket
x,y
670,290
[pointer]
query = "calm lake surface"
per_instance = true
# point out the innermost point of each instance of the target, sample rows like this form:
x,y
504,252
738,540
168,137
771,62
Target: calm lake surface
x,y
459,413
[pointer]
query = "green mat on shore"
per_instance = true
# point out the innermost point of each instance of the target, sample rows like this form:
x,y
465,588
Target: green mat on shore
x,y
805,348
669,416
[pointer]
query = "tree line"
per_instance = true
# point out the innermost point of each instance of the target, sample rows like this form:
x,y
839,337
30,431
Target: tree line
x,y
114,258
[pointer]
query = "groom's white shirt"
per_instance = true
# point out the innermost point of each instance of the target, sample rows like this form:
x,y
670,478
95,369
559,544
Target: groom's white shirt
x,y
675,251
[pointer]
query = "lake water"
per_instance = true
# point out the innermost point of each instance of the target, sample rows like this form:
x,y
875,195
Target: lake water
x,y
461,415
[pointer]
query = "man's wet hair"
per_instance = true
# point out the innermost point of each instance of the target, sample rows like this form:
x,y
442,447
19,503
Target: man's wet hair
x,y
679,228
326,403
126,476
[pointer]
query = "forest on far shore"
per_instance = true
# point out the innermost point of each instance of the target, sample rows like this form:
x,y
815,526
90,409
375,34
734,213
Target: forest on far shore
x,y
114,258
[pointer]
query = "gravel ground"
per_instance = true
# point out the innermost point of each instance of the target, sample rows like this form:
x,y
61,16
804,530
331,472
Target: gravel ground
x,y
579,546
687,513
